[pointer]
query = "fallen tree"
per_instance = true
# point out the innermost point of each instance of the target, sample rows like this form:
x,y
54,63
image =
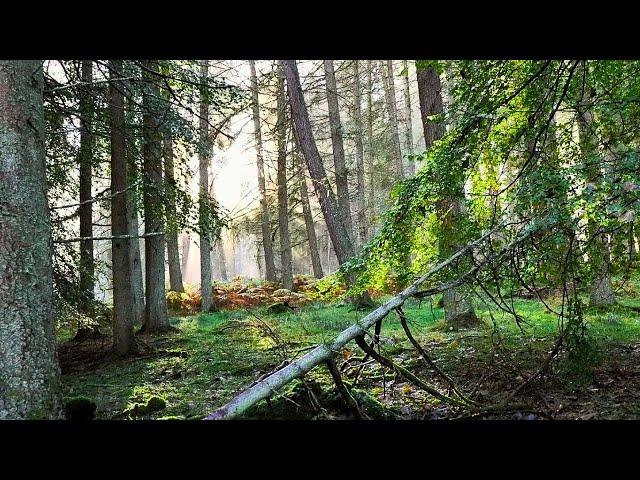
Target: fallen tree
x,y
323,353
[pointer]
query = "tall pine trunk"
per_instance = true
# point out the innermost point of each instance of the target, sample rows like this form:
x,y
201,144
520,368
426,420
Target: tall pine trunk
x,y
408,133
85,160
267,244
204,200
133,194
123,293
390,97
371,207
28,367
458,309
357,118
173,254
283,203
155,314
312,238
601,292
341,172
336,224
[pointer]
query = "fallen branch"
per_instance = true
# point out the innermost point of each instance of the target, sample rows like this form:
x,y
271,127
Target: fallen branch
x,y
116,237
267,387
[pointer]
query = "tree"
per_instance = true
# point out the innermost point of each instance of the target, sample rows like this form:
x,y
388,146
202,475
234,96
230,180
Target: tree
x,y
334,220
312,239
85,161
267,245
341,171
283,204
458,309
133,194
155,313
357,118
123,293
390,97
370,150
173,255
28,368
407,116
601,291
204,200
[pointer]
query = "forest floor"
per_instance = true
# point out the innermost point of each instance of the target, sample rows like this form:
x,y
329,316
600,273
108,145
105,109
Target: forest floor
x,y
209,358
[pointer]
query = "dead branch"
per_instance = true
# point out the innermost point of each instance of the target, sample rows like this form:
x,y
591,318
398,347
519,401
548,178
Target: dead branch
x,y
322,353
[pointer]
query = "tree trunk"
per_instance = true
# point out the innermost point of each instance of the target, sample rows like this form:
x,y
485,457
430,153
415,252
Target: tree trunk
x,y
135,261
601,293
204,199
155,313
270,267
218,241
336,225
133,194
341,172
222,259
332,214
173,255
357,117
314,253
85,160
28,367
408,132
390,96
283,204
123,294
370,153
458,309
186,246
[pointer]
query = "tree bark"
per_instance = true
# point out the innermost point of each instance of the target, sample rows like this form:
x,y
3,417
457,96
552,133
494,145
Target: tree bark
x,y
283,203
357,117
458,309
601,292
332,214
267,245
28,368
186,246
218,241
155,314
341,172
123,293
85,160
133,194
312,238
173,254
204,198
370,150
390,97
408,132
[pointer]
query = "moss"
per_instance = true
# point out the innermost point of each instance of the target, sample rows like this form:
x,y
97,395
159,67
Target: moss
x,y
372,407
80,408
155,404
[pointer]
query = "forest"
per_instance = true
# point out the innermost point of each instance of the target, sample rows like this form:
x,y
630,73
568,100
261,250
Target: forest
x,y
319,239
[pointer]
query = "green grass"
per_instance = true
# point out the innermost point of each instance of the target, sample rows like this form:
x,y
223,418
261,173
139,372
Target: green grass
x,y
211,357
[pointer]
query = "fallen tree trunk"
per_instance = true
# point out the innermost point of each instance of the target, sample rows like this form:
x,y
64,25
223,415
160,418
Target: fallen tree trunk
x,y
267,387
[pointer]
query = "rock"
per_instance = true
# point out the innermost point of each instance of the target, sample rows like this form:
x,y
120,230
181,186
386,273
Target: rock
x,y
282,292
279,307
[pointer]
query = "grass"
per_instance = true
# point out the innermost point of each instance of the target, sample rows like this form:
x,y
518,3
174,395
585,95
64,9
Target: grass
x,y
211,357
